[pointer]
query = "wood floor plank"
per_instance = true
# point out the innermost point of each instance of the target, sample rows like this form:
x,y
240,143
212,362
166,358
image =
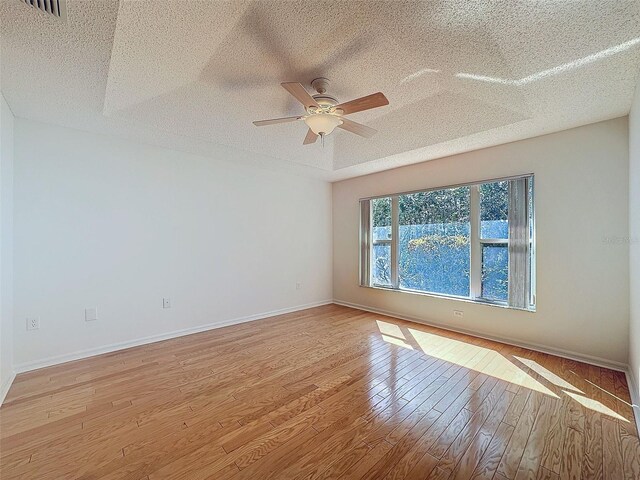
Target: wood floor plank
x,y
630,450
323,393
593,455
517,444
612,441
532,455
488,463
470,452
571,467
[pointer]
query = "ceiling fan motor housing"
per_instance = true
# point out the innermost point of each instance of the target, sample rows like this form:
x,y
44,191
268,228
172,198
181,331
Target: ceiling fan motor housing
x,y
320,85
325,100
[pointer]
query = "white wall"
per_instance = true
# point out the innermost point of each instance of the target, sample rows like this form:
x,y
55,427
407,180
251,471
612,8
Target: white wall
x,y
6,247
634,246
102,222
581,178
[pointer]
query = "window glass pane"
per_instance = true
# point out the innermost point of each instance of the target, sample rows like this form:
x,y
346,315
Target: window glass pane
x,y
381,221
494,210
434,243
381,264
495,272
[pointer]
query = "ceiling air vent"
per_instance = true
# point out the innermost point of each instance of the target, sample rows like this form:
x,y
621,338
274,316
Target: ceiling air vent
x,y
57,8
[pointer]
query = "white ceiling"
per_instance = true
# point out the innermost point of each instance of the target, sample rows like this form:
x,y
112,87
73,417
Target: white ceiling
x,y
192,75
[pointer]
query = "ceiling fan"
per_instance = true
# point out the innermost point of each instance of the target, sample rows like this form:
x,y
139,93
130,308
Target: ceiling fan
x,y
324,113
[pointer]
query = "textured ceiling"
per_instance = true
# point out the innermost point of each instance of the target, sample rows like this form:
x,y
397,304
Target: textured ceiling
x,y
192,75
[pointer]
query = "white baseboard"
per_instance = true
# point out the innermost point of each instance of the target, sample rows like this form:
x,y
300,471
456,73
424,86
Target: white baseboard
x,y
600,362
635,398
4,388
80,354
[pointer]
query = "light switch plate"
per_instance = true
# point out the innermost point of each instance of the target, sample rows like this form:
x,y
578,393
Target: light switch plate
x,y
91,314
166,302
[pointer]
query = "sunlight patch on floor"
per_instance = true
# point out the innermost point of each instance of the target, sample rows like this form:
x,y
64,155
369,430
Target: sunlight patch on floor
x,y
391,329
547,374
396,341
480,359
607,392
595,406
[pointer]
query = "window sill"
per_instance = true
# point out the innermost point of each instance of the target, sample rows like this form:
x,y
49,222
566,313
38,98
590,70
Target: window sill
x,y
488,303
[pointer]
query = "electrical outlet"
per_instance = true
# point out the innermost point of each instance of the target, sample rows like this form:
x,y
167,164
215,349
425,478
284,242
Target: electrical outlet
x,y
166,302
458,313
91,314
33,323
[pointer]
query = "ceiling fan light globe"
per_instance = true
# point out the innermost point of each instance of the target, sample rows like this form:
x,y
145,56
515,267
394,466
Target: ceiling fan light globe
x,y
322,123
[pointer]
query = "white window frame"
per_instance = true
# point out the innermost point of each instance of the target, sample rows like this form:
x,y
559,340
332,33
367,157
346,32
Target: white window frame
x,y
476,245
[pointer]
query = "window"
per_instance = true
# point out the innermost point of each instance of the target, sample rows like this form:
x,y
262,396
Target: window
x,y
473,241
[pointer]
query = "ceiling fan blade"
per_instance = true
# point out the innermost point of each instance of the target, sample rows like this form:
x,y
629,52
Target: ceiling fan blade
x,y
310,138
262,123
374,100
357,128
297,90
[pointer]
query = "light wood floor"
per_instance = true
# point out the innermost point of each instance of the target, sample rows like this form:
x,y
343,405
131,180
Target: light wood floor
x,y
329,392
